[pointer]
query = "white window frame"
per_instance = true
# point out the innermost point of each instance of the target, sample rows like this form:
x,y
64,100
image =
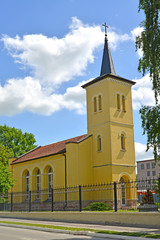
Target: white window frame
x,y
27,185
38,185
50,182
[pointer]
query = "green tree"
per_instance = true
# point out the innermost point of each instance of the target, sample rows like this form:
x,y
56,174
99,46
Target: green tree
x,y
149,42
16,140
6,180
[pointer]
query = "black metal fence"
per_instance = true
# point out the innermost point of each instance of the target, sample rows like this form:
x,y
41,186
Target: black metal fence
x,y
118,195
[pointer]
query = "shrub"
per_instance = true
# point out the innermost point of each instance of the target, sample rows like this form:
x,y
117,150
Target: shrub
x,y
132,209
97,206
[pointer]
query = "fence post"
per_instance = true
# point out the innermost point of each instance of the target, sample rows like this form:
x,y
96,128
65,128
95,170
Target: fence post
x,y
11,201
65,207
115,196
80,198
52,199
30,194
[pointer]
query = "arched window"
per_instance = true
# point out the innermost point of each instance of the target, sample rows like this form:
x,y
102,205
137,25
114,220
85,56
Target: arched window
x,y
99,143
123,103
38,184
95,104
118,101
100,102
50,182
27,185
122,141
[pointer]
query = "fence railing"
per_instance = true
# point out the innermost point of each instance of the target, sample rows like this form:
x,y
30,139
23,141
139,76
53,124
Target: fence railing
x,y
119,195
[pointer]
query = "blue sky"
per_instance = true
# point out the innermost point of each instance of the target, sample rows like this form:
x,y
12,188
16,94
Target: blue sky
x,y
49,48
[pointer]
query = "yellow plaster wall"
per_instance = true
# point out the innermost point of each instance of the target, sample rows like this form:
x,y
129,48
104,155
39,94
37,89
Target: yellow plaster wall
x,y
94,119
79,162
55,161
102,174
110,123
109,88
104,156
120,156
123,89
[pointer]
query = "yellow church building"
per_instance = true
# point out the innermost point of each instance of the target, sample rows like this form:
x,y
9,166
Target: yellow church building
x,y
104,155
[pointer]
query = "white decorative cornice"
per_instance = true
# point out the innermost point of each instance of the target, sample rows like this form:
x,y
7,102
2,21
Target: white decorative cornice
x,y
112,122
112,80
114,164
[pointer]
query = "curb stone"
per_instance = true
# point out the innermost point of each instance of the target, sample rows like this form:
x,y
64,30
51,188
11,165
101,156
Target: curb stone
x,y
82,233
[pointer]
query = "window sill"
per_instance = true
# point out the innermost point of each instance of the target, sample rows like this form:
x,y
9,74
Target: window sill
x,y
97,112
123,150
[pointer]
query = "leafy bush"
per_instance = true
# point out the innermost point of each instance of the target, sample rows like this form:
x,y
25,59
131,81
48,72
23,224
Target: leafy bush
x,y
3,200
158,204
132,209
97,206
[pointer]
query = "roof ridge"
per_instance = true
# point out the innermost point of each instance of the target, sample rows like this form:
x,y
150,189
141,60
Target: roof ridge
x,y
48,150
81,139
64,140
26,153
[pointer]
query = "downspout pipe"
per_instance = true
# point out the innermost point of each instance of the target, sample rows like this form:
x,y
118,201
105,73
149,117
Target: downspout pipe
x,y
65,177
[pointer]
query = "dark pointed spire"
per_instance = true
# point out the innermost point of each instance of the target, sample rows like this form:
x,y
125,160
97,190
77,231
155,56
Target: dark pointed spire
x,y
107,66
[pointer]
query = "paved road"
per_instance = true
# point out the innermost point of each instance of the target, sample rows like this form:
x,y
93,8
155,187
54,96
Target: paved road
x,y
10,233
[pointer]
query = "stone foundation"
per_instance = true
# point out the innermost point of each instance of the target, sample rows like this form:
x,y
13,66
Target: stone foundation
x,y
148,208
62,206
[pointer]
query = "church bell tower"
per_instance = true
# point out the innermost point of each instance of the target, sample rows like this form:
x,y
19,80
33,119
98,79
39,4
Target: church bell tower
x,y
110,122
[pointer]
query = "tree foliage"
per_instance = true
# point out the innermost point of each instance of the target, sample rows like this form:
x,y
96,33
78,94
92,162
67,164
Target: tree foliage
x,y
151,126
149,42
6,180
14,139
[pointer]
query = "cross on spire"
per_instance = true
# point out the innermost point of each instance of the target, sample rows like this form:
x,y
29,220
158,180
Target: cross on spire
x,y
105,25
107,66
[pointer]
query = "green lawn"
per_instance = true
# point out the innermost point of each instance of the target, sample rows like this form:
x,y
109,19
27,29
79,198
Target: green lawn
x,y
139,234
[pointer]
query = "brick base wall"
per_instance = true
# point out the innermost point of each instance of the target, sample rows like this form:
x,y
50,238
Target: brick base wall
x,y
62,206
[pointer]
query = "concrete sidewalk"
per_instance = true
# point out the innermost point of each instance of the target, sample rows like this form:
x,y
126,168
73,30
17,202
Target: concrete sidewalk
x,y
89,226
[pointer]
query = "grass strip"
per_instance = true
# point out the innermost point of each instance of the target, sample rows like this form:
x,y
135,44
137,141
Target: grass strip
x,y
132,234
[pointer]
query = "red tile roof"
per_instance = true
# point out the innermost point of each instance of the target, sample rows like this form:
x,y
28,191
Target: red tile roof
x,y
52,149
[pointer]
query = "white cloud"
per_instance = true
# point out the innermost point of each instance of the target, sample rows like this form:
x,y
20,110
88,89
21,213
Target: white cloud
x,y
53,61
140,151
26,94
142,93
135,33
115,39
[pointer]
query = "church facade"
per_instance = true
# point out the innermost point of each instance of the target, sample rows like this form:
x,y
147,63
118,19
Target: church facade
x,y
105,154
